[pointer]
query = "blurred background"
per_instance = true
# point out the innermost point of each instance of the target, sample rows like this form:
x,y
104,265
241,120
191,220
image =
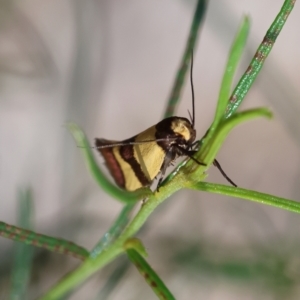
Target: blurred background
x,y
109,66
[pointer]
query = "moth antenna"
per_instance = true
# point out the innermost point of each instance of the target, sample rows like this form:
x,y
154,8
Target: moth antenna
x,y
190,116
192,88
133,143
91,147
216,164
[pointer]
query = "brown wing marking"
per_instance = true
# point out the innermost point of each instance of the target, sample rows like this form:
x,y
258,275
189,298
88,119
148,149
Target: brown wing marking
x,y
111,161
127,154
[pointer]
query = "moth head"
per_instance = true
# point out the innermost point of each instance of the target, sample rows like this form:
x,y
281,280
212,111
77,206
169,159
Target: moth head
x,y
183,128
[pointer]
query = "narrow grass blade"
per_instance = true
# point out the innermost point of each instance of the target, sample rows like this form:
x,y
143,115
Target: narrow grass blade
x,y
153,280
181,73
254,196
99,176
259,58
43,241
23,253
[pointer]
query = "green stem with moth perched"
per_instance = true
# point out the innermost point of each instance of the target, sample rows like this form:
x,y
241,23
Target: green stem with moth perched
x,y
185,178
182,179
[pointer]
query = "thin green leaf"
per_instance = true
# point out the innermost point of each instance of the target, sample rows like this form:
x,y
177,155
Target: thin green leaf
x,y
23,253
181,73
259,58
210,148
234,57
99,176
156,284
42,241
254,196
115,230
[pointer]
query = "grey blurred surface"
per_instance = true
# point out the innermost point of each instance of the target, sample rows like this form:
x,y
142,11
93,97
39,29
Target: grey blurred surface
x,y
109,66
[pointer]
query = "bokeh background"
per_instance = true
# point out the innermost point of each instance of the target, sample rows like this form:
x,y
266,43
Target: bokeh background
x,y
109,66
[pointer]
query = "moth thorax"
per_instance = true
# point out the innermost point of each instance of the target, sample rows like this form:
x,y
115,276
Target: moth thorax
x,y
184,128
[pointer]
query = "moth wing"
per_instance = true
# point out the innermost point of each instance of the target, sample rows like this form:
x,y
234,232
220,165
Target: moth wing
x,y
111,161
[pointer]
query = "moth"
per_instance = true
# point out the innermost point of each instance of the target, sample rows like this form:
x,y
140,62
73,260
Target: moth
x,y
136,162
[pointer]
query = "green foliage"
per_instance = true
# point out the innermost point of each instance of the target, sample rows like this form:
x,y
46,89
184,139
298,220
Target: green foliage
x,y
120,238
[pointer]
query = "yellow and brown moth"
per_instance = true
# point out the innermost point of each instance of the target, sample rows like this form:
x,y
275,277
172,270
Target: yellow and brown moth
x,y
135,162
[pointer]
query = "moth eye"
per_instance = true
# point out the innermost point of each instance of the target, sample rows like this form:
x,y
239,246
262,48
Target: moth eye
x,y
182,141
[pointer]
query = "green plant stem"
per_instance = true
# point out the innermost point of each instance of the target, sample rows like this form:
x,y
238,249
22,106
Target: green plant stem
x,y
114,231
259,58
180,180
190,173
254,196
91,265
184,177
87,268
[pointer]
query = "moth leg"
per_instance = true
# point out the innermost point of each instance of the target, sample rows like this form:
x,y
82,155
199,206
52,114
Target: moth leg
x,y
217,164
195,146
190,154
169,158
159,183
